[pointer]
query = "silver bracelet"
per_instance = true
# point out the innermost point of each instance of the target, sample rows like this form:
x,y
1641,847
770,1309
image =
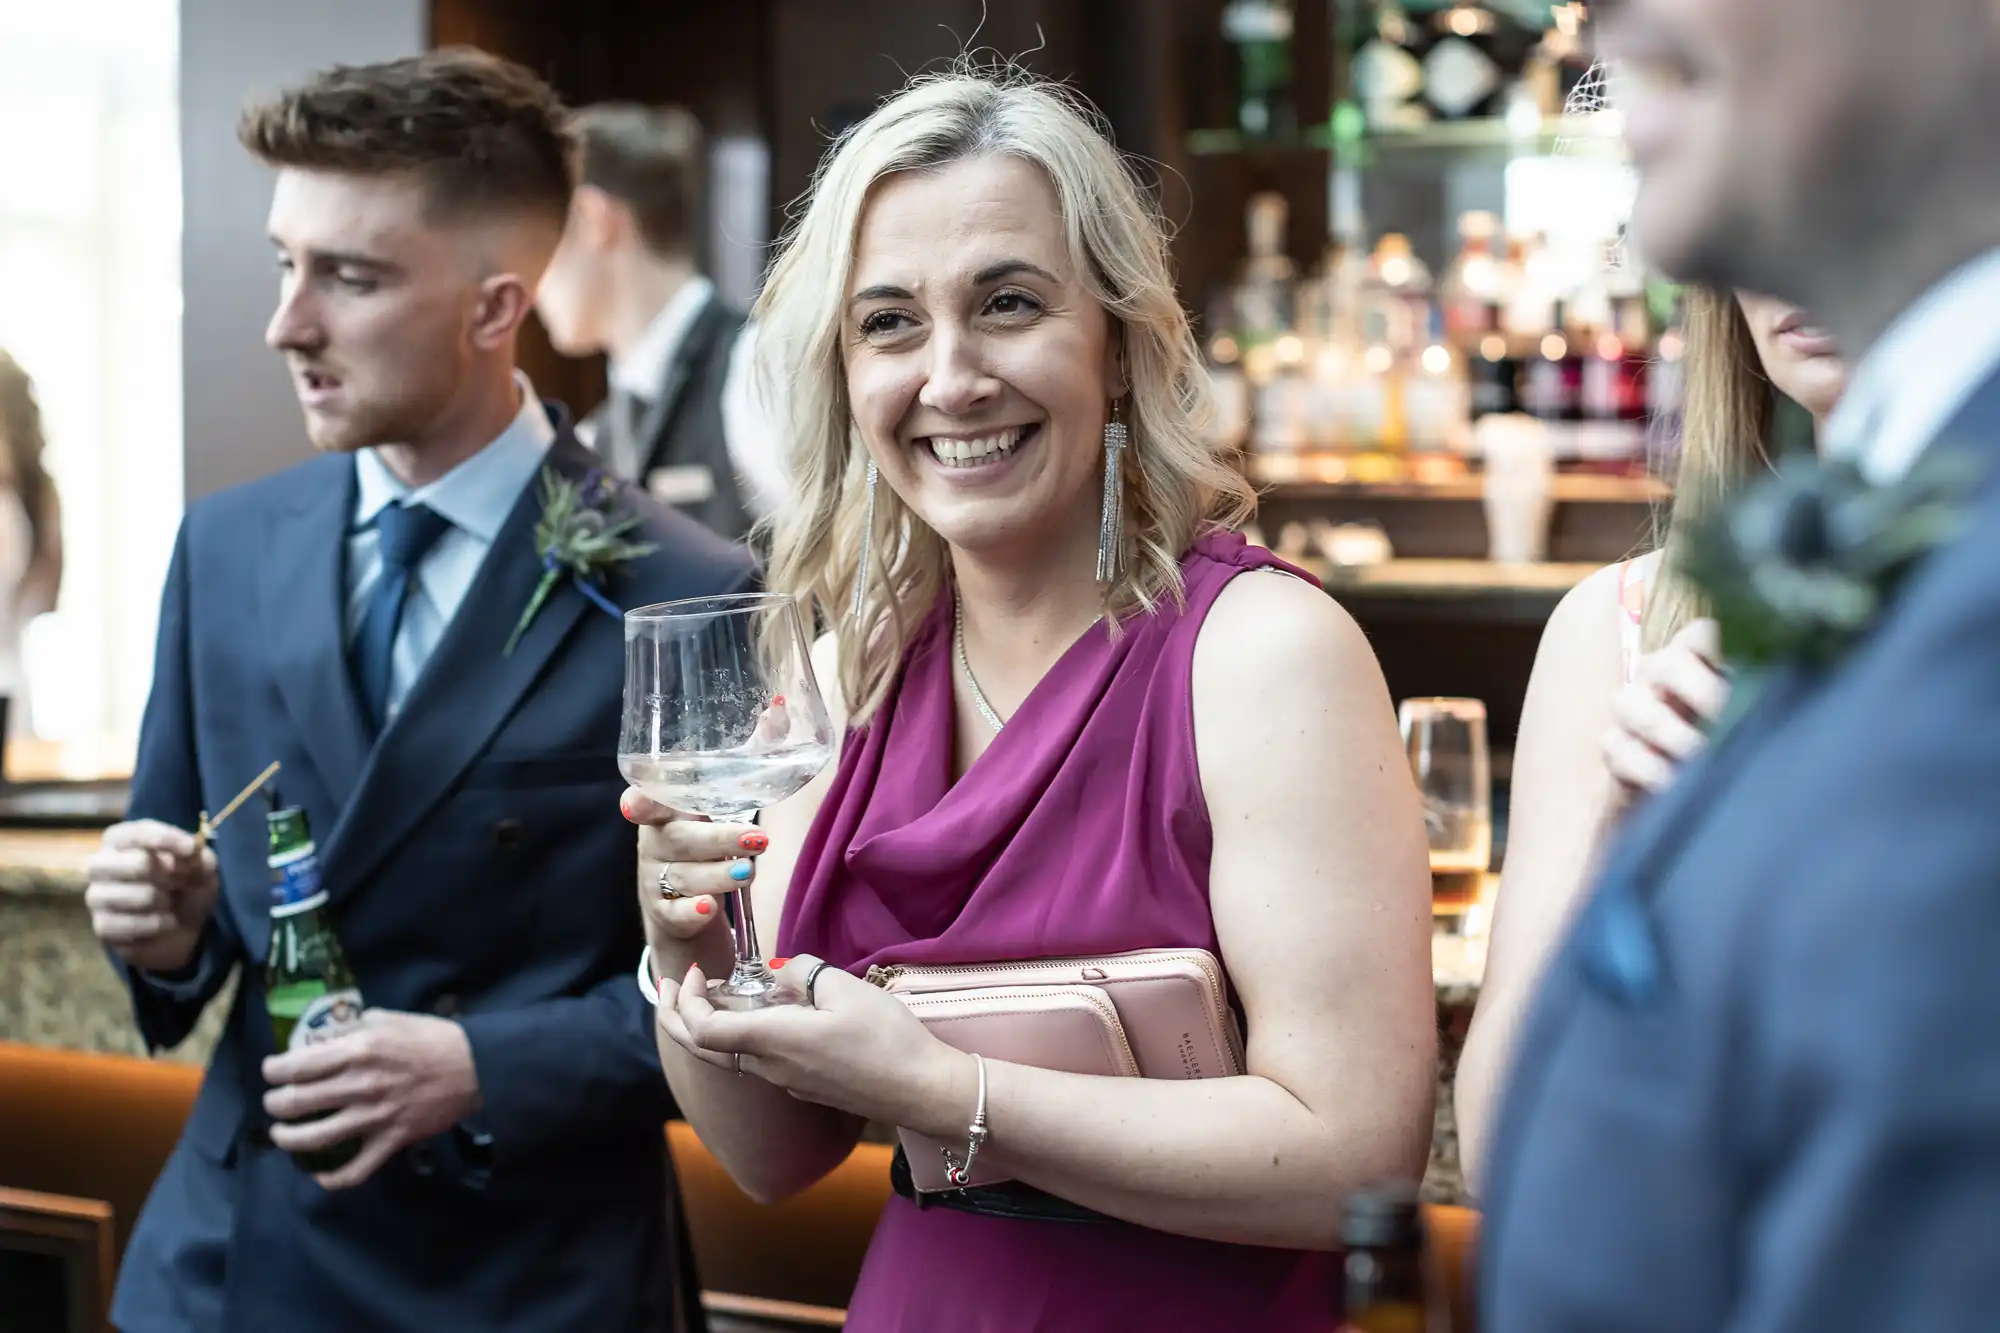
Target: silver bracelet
x,y
647,987
975,1135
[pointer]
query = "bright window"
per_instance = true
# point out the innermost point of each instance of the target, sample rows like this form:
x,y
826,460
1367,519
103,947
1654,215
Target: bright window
x,y
90,303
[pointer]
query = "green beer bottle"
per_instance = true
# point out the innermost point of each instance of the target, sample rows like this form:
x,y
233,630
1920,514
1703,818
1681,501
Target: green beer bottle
x,y
309,990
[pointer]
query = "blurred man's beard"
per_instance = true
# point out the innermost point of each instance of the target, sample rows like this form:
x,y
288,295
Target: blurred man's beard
x,y
346,434
1715,246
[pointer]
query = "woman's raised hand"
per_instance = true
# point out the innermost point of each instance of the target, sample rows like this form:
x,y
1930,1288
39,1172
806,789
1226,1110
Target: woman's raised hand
x,y
1659,718
686,863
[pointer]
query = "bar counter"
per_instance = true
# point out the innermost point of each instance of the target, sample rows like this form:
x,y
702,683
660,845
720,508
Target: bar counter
x,y
57,989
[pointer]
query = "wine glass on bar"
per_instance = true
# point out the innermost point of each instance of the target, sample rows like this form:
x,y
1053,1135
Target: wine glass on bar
x,y
1446,743
723,718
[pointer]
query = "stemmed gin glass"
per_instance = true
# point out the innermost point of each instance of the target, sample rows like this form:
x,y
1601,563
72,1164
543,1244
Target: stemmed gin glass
x,y
723,718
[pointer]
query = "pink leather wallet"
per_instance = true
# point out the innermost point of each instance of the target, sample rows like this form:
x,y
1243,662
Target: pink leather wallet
x,y
1152,1013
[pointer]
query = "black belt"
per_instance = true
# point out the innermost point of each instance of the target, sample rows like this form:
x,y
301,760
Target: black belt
x,y
1009,1198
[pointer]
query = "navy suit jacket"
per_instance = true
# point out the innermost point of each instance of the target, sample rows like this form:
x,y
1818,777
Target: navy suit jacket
x,y
478,868
1761,1090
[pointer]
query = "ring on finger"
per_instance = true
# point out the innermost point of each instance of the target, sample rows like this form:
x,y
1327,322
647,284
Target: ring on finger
x,y
667,890
739,1066
812,979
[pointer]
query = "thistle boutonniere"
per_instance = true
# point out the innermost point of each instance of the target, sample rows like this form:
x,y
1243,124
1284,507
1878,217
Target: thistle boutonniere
x,y
1806,561
582,537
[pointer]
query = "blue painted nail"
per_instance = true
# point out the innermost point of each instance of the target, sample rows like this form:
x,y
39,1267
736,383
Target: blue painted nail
x,y
740,871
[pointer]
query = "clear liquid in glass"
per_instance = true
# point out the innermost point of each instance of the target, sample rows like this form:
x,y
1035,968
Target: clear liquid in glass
x,y
725,785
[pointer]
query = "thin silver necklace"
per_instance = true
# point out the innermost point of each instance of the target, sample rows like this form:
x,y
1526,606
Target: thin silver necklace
x,y
965,667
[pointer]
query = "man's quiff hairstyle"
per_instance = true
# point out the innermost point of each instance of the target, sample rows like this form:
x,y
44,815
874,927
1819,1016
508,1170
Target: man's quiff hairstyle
x,y
485,136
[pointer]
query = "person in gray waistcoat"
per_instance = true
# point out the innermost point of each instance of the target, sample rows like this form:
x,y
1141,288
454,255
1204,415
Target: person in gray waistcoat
x,y
1761,1088
684,418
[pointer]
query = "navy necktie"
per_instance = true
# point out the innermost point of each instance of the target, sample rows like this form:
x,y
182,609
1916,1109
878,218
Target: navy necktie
x,y
407,532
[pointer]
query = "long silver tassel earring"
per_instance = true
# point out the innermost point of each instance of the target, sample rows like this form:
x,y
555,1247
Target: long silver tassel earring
x,y
1111,531
867,542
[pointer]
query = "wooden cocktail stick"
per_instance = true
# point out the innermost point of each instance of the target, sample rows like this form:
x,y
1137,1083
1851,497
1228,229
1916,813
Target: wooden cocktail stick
x,y
208,826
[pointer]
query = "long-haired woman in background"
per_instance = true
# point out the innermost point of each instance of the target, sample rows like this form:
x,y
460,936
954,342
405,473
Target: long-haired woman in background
x,y
1076,723
31,550
1629,671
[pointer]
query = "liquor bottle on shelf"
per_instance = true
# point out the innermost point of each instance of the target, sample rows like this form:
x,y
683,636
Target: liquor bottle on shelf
x,y
1396,303
1350,405
1535,286
1385,1265
1437,397
1261,32
1228,387
1631,314
1315,302
1613,343
1632,328
1551,379
1263,296
1330,305
1608,437
1477,53
309,990
1473,292
1284,413
1389,70
1565,47
1352,25
1386,371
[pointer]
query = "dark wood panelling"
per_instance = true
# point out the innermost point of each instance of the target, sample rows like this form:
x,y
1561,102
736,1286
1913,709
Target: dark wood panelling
x,y
831,64
710,56
1211,241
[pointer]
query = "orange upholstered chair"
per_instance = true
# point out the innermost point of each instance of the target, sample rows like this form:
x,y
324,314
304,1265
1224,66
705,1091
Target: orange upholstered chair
x,y
99,1128
90,1126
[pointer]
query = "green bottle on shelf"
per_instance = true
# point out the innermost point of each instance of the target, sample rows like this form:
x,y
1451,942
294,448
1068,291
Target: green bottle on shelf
x,y
1261,32
309,990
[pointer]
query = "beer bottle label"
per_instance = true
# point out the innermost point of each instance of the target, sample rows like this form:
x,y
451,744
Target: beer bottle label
x,y
295,884
325,1017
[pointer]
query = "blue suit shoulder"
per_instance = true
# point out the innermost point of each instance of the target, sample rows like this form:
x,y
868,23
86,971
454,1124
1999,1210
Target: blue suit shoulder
x,y
283,489
688,559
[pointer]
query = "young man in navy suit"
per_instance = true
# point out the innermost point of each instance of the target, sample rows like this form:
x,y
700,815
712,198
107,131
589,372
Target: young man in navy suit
x,y
351,618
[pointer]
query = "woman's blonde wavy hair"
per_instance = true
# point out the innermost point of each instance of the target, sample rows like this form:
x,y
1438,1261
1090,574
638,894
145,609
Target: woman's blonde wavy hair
x,y
1725,441
1175,482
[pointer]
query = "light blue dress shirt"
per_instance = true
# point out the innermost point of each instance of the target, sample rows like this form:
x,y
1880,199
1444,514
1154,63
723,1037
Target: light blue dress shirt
x,y
476,497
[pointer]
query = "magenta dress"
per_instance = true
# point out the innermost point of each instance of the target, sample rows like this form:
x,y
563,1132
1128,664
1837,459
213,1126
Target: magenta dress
x,y
1082,829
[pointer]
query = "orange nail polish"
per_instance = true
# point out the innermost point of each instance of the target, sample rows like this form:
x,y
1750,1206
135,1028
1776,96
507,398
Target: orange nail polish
x,y
703,907
753,842
780,962
777,700
625,805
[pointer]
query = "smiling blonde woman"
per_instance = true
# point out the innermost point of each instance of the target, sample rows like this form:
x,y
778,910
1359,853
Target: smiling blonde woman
x,y
1081,717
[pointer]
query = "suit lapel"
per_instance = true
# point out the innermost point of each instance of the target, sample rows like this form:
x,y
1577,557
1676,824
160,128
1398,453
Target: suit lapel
x,y
466,692
303,616
1615,948
660,414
